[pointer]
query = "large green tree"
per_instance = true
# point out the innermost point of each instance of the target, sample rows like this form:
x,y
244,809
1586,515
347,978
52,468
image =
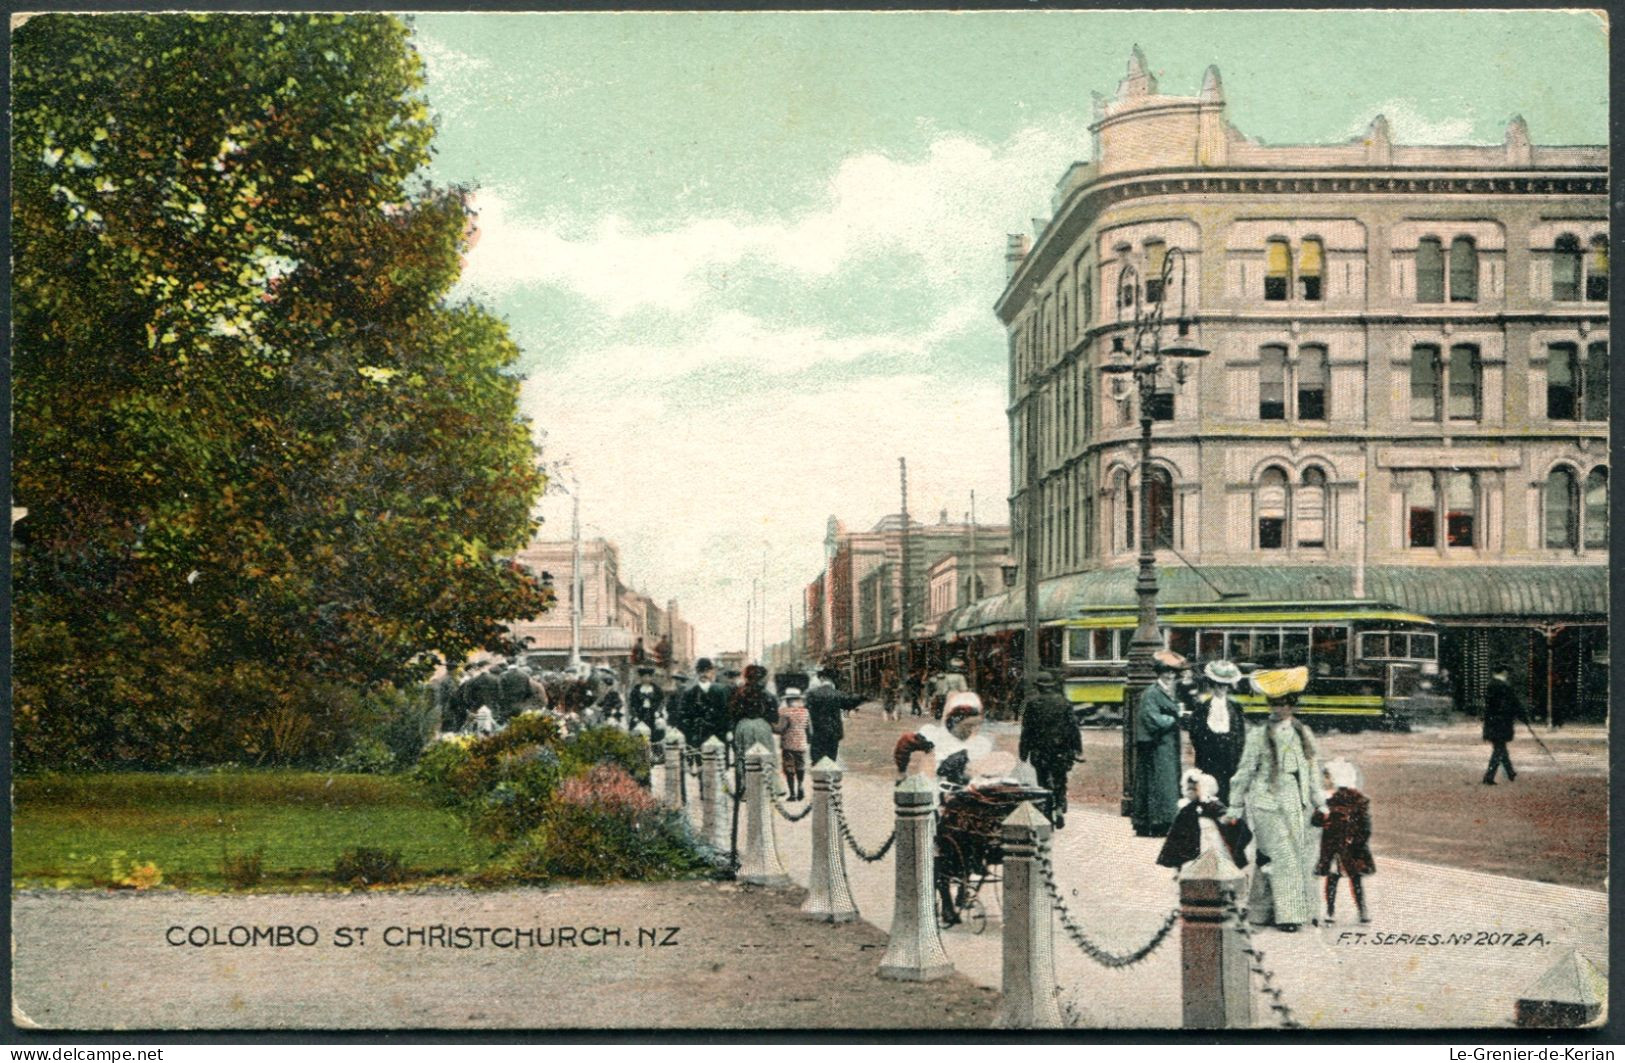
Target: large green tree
x,y
264,457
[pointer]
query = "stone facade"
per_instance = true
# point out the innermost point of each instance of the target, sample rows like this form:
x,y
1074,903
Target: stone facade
x,y
1408,354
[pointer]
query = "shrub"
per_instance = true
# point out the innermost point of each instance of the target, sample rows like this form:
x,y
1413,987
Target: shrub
x,y
441,768
519,800
363,866
369,756
244,870
597,745
606,788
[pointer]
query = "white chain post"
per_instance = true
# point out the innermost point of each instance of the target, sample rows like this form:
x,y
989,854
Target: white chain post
x,y
641,733
915,952
713,799
759,864
1217,989
829,896
674,767
1029,926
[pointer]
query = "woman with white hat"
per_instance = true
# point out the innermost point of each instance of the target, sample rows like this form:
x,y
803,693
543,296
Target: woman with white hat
x,y
1218,728
1278,783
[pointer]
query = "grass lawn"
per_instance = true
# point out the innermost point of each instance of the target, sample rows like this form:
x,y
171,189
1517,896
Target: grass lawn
x,y
73,831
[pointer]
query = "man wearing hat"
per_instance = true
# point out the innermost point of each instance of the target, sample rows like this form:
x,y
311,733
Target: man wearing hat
x,y
825,704
705,706
1502,709
645,700
1218,728
1049,740
1277,782
1156,750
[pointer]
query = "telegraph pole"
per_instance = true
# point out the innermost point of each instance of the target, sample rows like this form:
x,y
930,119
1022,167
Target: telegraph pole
x,y
908,614
577,591
975,591
1029,562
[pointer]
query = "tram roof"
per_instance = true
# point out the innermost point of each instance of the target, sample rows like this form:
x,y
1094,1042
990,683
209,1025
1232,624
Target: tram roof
x,y
1506,592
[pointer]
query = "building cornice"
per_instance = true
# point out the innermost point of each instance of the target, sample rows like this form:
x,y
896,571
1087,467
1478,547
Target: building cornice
x,y
1085,203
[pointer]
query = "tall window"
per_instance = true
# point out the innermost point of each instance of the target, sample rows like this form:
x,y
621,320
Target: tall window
x,y
1596,509
1125,491
1125,278
1562,511
1445,388
1462,383
1597,273
1270,502
1463,270
1421,512
1272,383
1311,264
1156,252
1161,507
1429,270
1425,391
1277,270
1086,301
1566,268
1311,383
1576,387
1162,401
1460,508
1309,516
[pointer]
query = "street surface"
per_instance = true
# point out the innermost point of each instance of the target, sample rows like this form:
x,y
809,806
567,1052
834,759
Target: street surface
x,y
1330,977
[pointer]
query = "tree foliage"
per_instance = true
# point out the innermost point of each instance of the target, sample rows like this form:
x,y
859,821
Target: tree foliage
x,y
262,452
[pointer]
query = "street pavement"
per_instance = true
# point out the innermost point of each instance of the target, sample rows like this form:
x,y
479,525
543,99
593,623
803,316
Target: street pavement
x,y
1390,973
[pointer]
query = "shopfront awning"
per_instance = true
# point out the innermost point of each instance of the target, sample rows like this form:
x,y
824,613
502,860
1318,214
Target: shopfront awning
x,y
1445,593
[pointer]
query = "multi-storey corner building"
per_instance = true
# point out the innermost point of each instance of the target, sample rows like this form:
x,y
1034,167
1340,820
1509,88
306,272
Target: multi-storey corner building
x,y
1405,399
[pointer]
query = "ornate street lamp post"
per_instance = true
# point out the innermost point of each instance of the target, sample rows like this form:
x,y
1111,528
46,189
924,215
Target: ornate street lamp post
x,y
1146,361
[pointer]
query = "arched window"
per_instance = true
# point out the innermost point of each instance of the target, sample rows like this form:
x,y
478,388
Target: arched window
x,y
1309,509
1270,504
1425,389
1460,509
1597,272
1463,383
1576,389
1562,525
1277,270
1463,270
1566,268
1311,383
1125,277
1429,270
1086,301
1272,383
1156,253
1125,495
1311,264
1161,507
1596,509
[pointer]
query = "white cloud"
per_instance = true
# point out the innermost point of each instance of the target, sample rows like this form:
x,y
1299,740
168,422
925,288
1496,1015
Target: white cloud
x,y
947,211
1407,125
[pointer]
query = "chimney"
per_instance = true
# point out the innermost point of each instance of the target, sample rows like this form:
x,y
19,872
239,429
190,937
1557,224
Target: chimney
x,y
1015,252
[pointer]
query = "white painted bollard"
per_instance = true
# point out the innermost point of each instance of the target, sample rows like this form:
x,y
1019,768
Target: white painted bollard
x,y
1216,981
641,733
1029,926
674,767
713,798
915,952
759,864
829,895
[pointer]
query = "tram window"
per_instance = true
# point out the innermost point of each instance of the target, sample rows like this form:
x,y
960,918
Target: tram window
x,y
1375,644
1077,645
1182,641
1330,650
1241,646
1125,635
1102,644
1210,644
1294,648
1424,647
1267,648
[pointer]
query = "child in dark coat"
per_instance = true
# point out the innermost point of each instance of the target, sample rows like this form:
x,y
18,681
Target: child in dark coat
x,y
1345,837
1199,824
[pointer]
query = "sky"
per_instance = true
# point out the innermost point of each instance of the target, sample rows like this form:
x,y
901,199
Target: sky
x,y
751,258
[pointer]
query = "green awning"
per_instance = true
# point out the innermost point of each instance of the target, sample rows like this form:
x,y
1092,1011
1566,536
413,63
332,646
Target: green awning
x,y
1445,593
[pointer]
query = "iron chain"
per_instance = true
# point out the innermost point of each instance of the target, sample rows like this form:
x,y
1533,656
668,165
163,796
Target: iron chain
x,y
1255,963
1075,932
792,817
846,832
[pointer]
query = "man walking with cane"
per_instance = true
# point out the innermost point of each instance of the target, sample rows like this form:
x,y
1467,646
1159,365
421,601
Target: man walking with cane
x,y
1502,710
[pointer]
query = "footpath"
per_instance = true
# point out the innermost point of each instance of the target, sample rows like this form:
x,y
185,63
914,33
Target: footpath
x,y
1446,947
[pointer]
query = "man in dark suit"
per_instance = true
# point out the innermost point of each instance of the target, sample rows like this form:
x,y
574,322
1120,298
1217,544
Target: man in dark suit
x,y
705,706
644,701
1049,740
1502,710
825,704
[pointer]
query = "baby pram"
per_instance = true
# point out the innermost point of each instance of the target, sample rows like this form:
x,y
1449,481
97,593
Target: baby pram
x,y
970,848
